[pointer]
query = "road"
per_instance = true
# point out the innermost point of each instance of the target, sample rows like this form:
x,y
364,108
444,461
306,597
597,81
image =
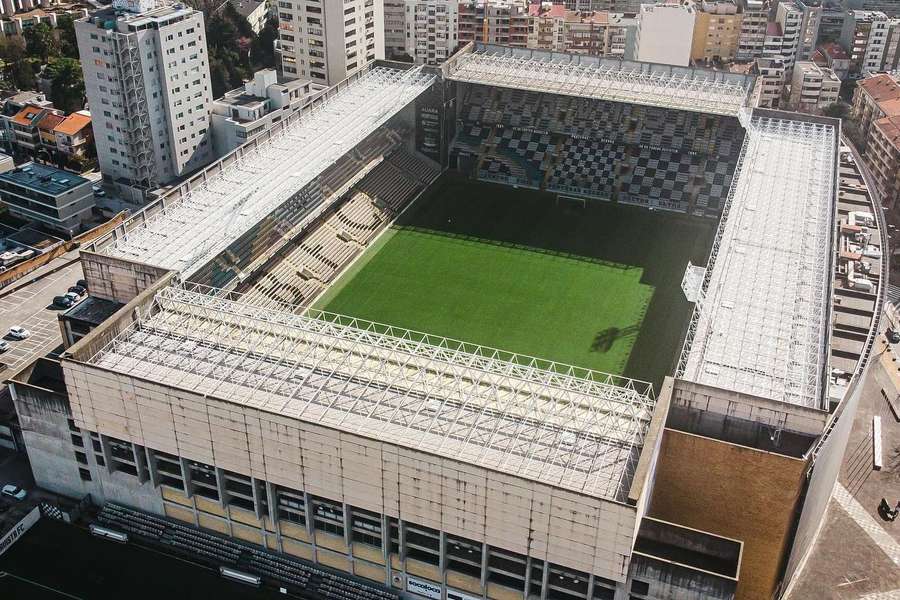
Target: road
x,y
29,305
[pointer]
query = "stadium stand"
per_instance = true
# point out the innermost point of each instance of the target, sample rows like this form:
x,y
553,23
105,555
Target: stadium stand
x,y
314,258
671,159
303,578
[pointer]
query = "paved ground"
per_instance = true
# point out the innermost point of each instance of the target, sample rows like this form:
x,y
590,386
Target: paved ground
x,y
857,555
28,304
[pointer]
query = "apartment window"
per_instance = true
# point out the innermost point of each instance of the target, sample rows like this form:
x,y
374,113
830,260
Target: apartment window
x,y
84,474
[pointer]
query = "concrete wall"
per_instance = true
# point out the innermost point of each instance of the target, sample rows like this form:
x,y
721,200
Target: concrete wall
x,y
44,417
732,491
117,279
573,530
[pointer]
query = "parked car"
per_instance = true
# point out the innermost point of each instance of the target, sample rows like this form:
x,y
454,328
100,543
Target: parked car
x,y
14,492
63,301
82,283
73,296
77,289
893,336
4,345
19,333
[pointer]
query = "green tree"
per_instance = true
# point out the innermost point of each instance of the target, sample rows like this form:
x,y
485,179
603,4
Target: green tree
x,y
18,71
68,44
262,53
67,84
40,43
838,110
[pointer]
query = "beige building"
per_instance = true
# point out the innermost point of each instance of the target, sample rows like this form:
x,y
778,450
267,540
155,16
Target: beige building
x,y
717,31
875,97
508,22
813,87
769,82
595,33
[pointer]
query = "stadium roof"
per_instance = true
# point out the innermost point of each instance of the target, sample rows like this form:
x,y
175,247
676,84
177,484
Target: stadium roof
x,y
190,231
684,88
559,425
761,324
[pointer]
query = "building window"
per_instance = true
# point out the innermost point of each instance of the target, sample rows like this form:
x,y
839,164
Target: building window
x,y
85,474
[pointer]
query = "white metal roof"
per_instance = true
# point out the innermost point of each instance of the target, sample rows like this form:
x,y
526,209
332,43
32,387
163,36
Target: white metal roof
x,y
189,232
699,90
761,323
560,425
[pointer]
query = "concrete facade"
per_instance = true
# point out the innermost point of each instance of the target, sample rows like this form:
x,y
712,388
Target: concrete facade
x,y
328,42
665,33
147,82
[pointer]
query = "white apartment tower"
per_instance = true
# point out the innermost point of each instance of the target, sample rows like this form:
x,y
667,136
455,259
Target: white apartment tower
x,y
432,30
327,41
665,33
146,76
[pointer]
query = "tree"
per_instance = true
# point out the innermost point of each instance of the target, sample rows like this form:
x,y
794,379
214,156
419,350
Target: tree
x,y
838,110
68,44
40,43
17,69
262,53
67,84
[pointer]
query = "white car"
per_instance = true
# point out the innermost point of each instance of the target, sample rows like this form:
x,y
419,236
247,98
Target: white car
x,y
4,345
19,333
13,491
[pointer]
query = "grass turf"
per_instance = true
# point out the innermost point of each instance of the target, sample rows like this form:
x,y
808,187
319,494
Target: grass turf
x,y
597,287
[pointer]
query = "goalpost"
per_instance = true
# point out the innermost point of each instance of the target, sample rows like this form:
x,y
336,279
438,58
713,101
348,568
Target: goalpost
x,y
575,200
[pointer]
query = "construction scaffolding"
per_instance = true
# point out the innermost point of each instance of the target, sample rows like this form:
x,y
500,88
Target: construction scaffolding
x,y
682,88
192,230
556,424
761,323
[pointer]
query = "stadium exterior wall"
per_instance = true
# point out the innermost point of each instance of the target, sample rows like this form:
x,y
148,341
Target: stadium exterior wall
x,y
733,491
580,532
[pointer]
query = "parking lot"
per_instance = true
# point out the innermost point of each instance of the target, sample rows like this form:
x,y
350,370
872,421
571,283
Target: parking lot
x,y
29,306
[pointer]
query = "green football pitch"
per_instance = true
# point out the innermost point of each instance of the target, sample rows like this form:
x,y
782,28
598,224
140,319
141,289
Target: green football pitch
x,y
597,286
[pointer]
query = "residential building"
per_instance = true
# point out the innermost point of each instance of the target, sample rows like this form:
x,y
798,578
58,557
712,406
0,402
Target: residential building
x,y
508,21
394,28
876,97
784,33
74,134
717,31
252,109
630,7
889,7
833,56
58,199
813,87
665,32
432,30
256,12
328,41
15,23
29,136
771,72
147,81
810,17
831,23
754,20
883,158
891,60
597,33
865,36
10,107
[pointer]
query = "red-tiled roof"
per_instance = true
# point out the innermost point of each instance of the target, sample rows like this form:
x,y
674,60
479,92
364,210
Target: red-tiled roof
x,y
73,124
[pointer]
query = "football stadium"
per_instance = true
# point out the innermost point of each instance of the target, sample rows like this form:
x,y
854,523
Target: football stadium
x,y
527,325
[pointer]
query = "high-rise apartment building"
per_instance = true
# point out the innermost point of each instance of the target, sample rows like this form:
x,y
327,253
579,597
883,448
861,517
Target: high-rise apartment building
x,y
717,31
432,30
146,76
813,87
596,33
665,32
865,35
508,22
394,28
754,19
327,41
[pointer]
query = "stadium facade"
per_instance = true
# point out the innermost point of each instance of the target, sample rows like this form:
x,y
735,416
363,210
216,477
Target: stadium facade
x,y
197,388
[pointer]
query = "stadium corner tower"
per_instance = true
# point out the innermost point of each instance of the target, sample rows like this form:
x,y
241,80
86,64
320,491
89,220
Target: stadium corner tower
x,y
202,391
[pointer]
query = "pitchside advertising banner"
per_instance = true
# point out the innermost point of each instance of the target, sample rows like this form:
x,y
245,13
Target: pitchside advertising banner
x,y
19,529
433,590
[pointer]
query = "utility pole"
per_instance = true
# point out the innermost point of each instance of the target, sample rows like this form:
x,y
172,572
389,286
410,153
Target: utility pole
x,y
486,25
